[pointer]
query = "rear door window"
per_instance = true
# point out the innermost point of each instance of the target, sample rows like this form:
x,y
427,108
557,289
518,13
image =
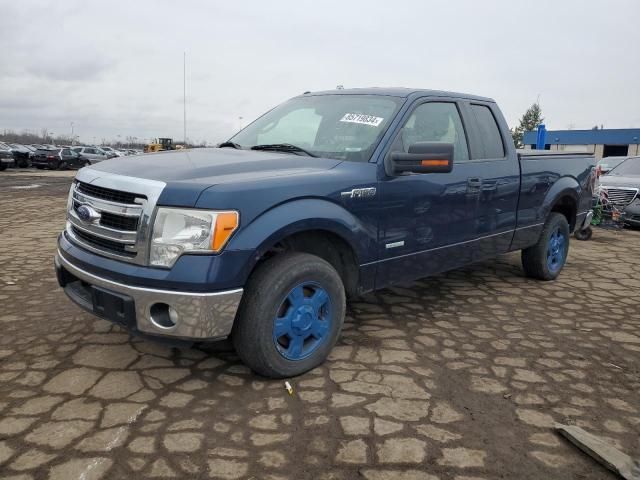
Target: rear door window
x,y
489,132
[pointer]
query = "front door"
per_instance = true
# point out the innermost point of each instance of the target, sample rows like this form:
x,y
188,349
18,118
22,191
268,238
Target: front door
x,y
427,220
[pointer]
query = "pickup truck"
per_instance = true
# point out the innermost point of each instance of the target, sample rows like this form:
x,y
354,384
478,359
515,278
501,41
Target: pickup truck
x,y
327,196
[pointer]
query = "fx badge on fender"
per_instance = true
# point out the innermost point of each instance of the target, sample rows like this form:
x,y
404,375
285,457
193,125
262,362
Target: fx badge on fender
x,y
360,193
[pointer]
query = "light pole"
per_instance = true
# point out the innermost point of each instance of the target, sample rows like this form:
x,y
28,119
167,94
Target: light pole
x,y
72,137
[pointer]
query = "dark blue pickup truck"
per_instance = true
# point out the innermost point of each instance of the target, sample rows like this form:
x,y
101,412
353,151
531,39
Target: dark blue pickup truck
x,y
329,195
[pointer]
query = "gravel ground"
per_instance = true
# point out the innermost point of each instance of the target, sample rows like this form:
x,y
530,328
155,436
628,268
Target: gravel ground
x,y
460,376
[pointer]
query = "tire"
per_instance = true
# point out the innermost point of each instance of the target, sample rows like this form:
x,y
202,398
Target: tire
x,y
3,166
39,167
584,234
545,259
54,165
272,332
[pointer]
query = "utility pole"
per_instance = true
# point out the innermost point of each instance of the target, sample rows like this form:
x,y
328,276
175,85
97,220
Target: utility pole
x,y
184,96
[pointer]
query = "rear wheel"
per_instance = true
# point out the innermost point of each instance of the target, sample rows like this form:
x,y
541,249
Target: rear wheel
x,y
291,315
546,258
55,165
3,166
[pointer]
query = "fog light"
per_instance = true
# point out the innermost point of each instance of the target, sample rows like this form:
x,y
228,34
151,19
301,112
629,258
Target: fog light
x,y
163,316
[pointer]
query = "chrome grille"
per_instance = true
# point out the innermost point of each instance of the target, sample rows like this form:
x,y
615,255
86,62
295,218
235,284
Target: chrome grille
x,y
102,243
621,196
108,193
122,208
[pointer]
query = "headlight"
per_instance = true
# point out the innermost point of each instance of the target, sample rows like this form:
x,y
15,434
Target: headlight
x,y
177,231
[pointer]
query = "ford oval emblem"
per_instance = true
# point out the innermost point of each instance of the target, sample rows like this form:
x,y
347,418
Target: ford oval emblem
x,y
87,214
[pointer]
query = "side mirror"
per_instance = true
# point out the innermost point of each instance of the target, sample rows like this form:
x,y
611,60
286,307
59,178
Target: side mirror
x,y
423,157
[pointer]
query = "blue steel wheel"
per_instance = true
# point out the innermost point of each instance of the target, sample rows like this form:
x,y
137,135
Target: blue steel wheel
x,y
547,257
303,321
291,315
556,250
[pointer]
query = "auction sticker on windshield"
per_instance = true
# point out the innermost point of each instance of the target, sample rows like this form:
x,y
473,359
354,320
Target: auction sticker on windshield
x,y
362,119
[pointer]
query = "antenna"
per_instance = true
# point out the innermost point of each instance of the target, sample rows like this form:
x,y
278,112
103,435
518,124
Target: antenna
x,y
184,96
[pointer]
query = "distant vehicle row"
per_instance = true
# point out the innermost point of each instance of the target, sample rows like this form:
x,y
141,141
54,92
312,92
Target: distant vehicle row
x,y
54,157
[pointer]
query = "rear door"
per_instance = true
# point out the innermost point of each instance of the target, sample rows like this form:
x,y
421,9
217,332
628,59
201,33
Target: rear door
x,y
494,172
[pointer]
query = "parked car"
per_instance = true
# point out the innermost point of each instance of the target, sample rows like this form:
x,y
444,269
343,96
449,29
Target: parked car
x,y
6,156
622,185
327,195
111,152
93,154
58,158
607,163
21,154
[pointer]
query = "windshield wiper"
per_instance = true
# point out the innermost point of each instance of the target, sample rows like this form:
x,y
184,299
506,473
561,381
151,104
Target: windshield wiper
x,y
230,144
283,147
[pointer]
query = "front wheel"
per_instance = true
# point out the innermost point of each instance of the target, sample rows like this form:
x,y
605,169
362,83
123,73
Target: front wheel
x,y
291,315
545,259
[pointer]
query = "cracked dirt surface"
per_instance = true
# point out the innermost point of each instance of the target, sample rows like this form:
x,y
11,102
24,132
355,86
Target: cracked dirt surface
x,y
460,376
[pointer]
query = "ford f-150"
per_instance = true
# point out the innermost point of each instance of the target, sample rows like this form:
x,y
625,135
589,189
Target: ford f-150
x,y
329,195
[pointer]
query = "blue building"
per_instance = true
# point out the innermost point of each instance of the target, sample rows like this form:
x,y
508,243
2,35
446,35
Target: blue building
x,y
610,142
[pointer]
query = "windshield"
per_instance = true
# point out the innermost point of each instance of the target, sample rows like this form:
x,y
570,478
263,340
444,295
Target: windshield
x,y
631,166
344,127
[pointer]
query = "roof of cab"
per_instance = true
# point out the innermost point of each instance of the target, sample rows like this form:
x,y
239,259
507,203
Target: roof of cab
x,y
399,92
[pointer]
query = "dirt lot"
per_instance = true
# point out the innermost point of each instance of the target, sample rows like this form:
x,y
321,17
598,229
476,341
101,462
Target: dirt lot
x,y
457,377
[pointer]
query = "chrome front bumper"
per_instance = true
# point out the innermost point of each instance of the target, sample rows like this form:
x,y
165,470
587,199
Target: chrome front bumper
x,y
196,316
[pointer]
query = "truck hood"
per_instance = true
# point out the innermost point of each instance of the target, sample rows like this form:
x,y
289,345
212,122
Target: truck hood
x,y
211,166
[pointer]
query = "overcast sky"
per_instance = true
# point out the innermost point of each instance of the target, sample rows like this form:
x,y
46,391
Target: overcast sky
x,y
115,68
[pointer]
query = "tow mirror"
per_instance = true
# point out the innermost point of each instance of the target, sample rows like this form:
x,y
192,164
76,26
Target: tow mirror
x,y
422,157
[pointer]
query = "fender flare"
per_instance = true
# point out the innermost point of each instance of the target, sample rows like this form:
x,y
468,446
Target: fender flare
x,y
302,215
563,187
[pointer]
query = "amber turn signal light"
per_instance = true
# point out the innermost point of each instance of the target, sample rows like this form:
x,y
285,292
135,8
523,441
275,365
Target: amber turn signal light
x,y
434,163
226,224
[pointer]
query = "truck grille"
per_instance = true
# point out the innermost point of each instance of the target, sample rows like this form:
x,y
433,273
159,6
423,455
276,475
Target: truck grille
x,y
114,221
114,229
108,194
621,196
101,243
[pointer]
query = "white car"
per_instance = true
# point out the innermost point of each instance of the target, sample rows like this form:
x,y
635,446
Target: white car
x,y
93,154
111,152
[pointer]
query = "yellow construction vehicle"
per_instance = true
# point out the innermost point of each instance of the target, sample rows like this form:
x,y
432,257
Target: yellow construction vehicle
x,y
160,144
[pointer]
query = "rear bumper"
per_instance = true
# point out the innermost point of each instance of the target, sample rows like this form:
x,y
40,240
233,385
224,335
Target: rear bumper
x,y
191,316
7,160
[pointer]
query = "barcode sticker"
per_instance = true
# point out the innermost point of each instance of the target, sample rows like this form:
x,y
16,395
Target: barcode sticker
x,y
362,119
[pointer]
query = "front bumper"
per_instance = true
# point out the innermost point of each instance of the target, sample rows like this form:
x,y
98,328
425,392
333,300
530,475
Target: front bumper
x,y
191,316
632,213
